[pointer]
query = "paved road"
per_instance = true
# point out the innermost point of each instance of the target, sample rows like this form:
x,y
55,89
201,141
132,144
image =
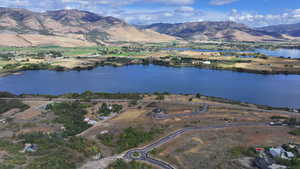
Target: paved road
x,y
143,153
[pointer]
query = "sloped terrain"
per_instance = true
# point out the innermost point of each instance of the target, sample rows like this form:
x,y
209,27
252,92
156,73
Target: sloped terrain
x,y
22,27
215,31
288,29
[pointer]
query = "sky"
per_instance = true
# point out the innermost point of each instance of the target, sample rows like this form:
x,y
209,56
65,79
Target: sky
x,y
254,13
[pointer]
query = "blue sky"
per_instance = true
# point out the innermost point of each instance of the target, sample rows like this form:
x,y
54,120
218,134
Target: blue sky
x,y
251,12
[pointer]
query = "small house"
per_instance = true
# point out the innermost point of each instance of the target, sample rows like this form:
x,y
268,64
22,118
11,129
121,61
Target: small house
x,y
277,152
281,153
207,62
3,121
30,148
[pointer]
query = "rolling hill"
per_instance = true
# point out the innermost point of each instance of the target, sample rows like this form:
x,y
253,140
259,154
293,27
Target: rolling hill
x,y
21,27
226,30
287,29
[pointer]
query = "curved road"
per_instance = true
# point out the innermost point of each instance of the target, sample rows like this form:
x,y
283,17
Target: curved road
x,y
143,153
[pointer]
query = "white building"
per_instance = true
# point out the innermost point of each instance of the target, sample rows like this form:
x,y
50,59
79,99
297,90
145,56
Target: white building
x,y
207,62
281,153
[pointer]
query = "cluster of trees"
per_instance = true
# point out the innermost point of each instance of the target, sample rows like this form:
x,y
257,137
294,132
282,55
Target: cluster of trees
x,y
55,151
160,96
6,105
121,164
223,46
6,56
119,60
71,115
95,95
125,49
7,94
129,138
11,66
109,50
51,53
14,157
105,109
40,66
32,66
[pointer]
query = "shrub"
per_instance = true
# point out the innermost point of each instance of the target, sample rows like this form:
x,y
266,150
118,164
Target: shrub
x,y
239,151
106,139
57,152
71,115
82,145
6,105
7,94
132,137
295,132
121,164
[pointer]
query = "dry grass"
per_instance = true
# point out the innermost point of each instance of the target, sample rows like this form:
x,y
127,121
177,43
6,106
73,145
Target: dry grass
x,y
32,112
27,40
130,115
131,34
189,152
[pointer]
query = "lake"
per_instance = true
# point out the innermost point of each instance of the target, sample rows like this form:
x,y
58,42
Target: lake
x,y
293,53
273,90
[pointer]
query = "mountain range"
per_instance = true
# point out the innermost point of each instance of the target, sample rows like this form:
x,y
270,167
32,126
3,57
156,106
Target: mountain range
x,y
21,27
199,31
288,29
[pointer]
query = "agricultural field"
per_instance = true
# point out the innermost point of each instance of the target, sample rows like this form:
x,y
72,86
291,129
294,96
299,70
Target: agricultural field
x,y
61,58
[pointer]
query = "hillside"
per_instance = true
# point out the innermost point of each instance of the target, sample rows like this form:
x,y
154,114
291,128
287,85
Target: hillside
x,y
287,29
214,31
21,27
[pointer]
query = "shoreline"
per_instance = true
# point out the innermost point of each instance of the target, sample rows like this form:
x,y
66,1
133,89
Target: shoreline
x,y
90,95
78,68
5,74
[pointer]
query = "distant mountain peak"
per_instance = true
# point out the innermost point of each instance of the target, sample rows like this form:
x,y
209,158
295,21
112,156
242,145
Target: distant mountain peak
x,y
74,14
68,28
287,29
213,30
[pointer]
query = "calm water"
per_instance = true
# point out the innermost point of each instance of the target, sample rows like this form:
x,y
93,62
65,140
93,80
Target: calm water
x,y
293,53
274,90
205,50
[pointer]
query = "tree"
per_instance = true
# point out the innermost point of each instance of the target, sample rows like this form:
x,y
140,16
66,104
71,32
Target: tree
x,y
104,110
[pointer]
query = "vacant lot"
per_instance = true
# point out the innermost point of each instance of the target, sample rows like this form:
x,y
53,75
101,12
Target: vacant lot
x,y
199,149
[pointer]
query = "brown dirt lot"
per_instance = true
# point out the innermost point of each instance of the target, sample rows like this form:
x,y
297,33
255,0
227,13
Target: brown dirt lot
x,y
32,112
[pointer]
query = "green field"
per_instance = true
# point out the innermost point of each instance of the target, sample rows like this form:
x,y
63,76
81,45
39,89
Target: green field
x,y
66,51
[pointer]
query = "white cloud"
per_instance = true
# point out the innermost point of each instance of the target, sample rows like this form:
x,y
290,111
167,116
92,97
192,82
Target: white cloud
x,y
178,2
256,20
221,2
169,11
127,2
185,9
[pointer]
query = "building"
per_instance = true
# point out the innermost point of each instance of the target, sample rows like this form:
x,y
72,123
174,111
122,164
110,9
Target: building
x,y
279,152
89,121
30,148
263,163
207,62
